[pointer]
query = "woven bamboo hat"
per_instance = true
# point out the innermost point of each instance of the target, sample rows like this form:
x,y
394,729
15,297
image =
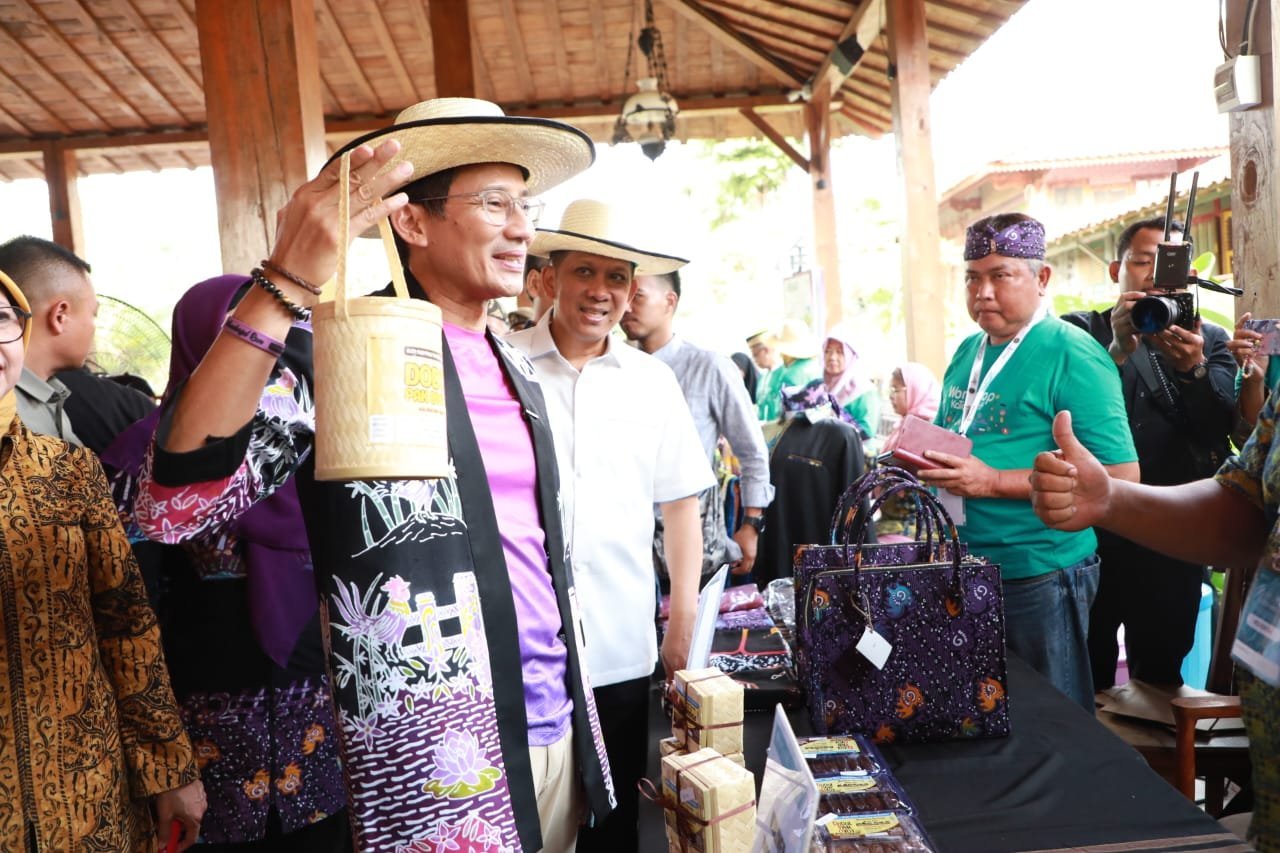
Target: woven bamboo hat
x,y
796,341
447,132
591,226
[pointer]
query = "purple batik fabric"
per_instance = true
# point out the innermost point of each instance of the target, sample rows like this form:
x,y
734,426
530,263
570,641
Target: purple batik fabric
x,y
940,610
262,750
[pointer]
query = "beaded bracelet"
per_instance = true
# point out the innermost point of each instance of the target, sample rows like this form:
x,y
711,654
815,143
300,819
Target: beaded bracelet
x,y
295,310
271,266
253,337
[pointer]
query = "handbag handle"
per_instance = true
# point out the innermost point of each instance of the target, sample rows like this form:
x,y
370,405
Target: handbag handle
x,y
399,285
859,491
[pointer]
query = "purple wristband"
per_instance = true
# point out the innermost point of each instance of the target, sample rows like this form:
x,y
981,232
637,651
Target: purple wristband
x,y
253,337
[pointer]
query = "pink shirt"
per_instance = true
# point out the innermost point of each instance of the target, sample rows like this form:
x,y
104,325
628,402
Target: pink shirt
x,y
507,449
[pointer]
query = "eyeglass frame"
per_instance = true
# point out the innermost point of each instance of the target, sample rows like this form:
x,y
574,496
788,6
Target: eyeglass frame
x,y
529,202
26,318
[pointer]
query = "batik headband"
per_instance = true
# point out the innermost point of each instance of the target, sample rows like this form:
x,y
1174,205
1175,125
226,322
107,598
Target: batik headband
x,y
1023,239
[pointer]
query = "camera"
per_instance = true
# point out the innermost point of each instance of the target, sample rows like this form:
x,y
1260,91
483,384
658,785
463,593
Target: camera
x,y
1153,314
1176,306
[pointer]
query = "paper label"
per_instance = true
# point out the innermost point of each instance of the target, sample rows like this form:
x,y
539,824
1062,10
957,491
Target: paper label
x,y
953,504
845,785
874,648
861,826
823,746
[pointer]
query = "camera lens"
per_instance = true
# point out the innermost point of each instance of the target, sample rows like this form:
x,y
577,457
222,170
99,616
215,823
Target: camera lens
x,y
1153,314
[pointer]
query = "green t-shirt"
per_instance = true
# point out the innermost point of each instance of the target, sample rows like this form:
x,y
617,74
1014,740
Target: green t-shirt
x,y
1057,367
865,411
797,373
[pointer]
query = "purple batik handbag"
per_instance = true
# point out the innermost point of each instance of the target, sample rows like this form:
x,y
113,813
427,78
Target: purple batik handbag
x,y
939,609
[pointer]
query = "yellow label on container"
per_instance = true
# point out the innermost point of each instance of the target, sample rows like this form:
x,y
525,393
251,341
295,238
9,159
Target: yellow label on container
x,y
861,826
846,785
831,744
405,387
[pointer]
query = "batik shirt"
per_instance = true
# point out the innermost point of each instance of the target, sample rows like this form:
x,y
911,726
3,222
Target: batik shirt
x,y
423,632
88,725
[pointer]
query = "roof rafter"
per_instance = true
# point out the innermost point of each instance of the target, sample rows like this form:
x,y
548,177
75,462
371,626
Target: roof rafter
x,y
746,47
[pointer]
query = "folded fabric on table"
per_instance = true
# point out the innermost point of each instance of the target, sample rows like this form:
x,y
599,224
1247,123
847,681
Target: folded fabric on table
x,y
744,597
757,617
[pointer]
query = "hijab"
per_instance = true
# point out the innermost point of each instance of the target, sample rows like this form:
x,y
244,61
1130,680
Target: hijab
x,y
281,587
853,380
9,402
923,393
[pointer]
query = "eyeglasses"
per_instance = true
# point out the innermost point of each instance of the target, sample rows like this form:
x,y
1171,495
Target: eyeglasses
x,y
497,206
13,322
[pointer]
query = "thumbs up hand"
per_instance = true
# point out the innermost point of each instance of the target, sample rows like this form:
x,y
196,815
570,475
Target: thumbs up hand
x,y
1070,489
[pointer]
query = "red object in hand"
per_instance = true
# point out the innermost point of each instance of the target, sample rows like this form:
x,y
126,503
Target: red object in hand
x,y
175,835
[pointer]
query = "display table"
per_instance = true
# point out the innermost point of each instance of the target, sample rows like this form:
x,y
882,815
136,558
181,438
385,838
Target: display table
x,y
1059,781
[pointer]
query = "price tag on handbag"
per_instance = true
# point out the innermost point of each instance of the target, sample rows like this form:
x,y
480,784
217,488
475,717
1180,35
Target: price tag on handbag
x,y
874,648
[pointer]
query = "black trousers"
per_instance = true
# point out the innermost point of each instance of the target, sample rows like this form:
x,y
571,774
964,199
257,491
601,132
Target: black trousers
x,y
624,721
1157,599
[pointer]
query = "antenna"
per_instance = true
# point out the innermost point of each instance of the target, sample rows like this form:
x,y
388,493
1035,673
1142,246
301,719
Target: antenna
x,y
1191,207
1168,211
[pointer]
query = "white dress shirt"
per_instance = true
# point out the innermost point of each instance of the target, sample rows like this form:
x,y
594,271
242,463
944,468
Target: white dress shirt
x,y
624,441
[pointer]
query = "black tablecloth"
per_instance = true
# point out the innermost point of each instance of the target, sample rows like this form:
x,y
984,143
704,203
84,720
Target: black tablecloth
x,y
1060,780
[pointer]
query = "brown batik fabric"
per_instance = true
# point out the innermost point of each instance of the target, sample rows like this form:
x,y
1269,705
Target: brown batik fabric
x,y
88,724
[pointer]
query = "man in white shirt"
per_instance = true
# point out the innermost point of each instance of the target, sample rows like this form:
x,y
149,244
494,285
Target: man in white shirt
x,y
625,441
720,406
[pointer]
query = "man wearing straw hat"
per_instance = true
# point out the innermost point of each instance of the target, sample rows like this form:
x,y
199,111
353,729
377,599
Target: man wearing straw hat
x,y
799,351
626,442
467,720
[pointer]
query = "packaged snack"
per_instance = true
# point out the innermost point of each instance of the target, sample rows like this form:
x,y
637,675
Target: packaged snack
x,y
834,754
716,807
857,792
708,711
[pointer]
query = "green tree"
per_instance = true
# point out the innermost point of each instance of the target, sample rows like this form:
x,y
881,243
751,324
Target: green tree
x,y
752,170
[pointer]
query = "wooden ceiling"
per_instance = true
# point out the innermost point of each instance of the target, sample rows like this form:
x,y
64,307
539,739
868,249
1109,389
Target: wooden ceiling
x,y
120,80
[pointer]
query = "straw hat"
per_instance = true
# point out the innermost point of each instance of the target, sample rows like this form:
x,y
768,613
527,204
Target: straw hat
x,y
446,132
590,226
796,341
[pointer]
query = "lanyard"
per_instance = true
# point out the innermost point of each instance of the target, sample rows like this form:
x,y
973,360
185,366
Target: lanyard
x,y
975,391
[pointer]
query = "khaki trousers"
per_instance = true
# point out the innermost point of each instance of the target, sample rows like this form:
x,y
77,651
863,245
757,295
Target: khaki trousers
x,y
561,801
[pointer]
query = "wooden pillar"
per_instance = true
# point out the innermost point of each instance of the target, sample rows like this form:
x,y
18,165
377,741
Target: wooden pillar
x,y
818,119
451,48
61,170
1255,175
922,284
265,115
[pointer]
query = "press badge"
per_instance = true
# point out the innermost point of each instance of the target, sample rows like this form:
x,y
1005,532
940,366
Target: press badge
x,y
874,648
1257,644
953,504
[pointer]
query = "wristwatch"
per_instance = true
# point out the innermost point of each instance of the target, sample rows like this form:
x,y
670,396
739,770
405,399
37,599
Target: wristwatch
x,y
1200,371
756,522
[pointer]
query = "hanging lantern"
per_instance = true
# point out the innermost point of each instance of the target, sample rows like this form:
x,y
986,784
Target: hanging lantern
x,y
649,116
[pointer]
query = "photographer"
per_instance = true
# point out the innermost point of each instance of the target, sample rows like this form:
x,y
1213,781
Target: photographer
x,y
1178,387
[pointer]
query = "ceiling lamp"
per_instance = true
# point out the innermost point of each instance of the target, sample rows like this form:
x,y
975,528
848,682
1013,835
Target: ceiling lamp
x,y
649,116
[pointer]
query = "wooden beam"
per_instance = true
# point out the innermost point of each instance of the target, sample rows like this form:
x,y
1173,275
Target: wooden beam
x,y
1255,164
451,48
559,49
266,127
391,53
158,52
862,27
60,174
923,292
747,48
337,39
776,138
519,56
599,48
818,120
